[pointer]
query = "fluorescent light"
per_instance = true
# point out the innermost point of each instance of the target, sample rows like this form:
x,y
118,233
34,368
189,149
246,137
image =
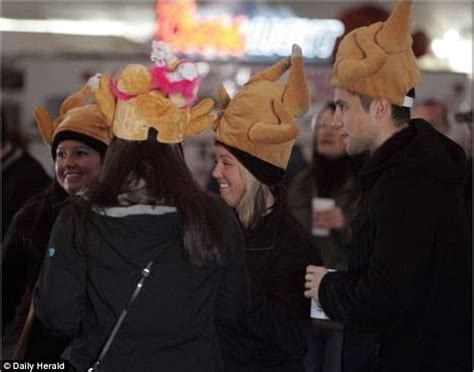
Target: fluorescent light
x,y
457,51
451,35
138,32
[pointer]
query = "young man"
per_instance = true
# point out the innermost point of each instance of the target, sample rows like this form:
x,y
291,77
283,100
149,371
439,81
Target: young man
x,y
405,299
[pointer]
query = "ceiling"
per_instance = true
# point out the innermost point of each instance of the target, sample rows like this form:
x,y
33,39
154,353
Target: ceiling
x,y
433,17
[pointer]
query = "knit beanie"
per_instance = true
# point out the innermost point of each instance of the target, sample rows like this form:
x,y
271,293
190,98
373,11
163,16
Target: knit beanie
x,y
378,60
258,125
99,146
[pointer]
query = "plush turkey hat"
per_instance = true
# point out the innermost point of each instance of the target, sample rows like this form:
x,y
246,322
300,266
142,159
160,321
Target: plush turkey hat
x,y
78,120
258,125
378,61
133,103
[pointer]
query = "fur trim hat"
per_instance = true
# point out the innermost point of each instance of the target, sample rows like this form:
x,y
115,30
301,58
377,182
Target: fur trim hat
x,y
378,61
258,125
158,97
78,120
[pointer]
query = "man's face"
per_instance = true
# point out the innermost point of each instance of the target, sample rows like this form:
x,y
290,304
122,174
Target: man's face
x,y
357,127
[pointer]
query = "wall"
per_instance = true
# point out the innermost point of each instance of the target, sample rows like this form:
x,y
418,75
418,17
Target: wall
x,y
50,79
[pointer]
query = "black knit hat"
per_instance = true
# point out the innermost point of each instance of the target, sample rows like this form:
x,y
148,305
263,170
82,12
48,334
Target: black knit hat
x,y
263,171
97,145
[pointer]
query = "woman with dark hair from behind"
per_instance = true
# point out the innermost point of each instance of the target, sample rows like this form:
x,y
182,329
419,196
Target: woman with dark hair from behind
x,y
147,217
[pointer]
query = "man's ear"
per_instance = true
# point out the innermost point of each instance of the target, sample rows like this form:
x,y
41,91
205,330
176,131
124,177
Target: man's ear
x,y
382,108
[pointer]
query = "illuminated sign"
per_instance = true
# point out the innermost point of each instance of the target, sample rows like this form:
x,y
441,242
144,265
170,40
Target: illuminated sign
x,y
235,36
180,26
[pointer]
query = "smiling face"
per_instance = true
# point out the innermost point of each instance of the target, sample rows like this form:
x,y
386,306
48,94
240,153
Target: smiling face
x,y
76,165
358,128
227,174
328,140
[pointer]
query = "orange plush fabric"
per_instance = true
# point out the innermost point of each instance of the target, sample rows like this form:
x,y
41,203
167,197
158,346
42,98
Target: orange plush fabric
x,y
377,60
260,119
133,104
78,115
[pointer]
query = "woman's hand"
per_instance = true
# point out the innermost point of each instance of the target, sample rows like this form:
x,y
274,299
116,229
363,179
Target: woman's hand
x,y
329,219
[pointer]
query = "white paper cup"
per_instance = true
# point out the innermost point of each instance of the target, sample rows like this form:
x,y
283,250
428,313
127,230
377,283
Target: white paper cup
x,y
316,309
321,205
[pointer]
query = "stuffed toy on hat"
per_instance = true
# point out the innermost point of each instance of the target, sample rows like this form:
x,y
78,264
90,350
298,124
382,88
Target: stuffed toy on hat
x,y
158,97
79,119
179,80
378,61
258,125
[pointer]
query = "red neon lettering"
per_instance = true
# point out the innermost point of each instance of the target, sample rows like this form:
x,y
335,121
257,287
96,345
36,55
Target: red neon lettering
x,y
180,26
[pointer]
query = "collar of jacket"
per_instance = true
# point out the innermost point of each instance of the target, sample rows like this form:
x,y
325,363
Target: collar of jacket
x,y
382,157
421,149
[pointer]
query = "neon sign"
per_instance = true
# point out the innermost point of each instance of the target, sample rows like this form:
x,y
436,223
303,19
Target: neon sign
x,y
180,25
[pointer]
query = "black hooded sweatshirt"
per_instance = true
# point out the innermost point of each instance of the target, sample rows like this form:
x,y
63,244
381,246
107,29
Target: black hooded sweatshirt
x,y
405,300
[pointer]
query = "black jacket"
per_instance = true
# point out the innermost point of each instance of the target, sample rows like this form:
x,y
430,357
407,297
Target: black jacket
x,y
272,335
405,300
170,327
22,177
23,250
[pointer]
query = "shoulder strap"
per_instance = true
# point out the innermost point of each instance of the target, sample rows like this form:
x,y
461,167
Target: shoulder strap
x,y
145,273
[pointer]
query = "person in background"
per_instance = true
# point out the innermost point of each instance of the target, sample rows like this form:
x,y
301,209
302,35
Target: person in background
x,y
436,113
22,175
332,174
410,246
78,139
255,132
465,118
146,243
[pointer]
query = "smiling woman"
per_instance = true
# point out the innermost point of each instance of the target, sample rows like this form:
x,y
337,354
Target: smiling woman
x,y
255,133
228,176
77,165
79,138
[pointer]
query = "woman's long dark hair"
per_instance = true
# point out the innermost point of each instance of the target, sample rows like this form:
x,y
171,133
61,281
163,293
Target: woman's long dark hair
x,y
168,182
